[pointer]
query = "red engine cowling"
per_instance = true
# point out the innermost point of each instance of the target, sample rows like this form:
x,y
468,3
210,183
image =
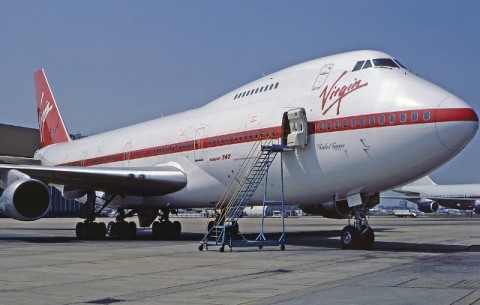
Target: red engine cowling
x,y
25,200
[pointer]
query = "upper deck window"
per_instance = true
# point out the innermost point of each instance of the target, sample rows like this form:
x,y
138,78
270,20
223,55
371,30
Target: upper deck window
x,y
385,62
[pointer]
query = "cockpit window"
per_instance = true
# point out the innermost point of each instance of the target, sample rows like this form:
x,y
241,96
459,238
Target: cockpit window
x,y
368,64
400,64
385,62
358,65
378,63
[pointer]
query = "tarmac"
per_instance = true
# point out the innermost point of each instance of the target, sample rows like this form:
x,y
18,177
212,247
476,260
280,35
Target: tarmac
x,y
414,261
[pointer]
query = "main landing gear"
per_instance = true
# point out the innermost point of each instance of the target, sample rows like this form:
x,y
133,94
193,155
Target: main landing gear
x,y
121,228
359,235
164,228
89,229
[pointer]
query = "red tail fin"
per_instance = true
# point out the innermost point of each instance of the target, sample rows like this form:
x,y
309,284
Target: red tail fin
x,y
50,123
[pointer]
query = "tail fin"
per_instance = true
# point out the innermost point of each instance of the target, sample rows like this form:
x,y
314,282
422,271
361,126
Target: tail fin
x,y
424,181
50,123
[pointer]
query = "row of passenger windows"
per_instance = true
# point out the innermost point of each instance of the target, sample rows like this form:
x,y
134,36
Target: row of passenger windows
x,y
379,62
257,90
372,120
243,137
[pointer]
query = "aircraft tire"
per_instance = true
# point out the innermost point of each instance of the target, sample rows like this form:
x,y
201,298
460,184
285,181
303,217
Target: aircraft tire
x,y
176,229
79,230
156,227
131,230
349,237
101,230
367,239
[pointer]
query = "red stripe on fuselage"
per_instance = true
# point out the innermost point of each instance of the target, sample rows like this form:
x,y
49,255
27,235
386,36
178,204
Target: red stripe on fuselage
x,y
377,120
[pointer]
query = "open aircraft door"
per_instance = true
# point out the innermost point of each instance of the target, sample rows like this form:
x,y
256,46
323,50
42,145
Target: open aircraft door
x,y
295,128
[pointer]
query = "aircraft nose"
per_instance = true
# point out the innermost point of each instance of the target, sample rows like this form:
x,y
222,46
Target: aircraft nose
x,y
456,123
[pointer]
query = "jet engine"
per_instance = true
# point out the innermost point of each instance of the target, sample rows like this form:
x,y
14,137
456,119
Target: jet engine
x,y
331,209
476,209
24,199
428,206
339,209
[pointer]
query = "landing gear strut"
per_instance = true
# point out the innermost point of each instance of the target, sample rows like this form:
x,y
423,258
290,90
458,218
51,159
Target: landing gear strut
x,y
164,228
359,235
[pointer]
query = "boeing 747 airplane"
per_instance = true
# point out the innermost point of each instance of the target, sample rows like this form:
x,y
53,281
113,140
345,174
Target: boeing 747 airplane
x,y
355,124
428,195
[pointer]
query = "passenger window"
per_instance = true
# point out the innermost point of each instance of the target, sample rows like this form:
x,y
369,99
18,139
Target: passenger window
x,y
381,119
345,124
329,125
362,122
403,117
337,124
271,87
354,123
414,116
392,118
358,65
256,91
372,120
261,89
248,92
276,85
426,116
320,126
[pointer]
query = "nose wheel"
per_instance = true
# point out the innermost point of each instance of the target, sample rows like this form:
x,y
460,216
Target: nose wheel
x,y
360,235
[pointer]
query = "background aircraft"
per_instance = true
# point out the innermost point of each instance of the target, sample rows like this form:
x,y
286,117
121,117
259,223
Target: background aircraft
x,y
428,195
346,119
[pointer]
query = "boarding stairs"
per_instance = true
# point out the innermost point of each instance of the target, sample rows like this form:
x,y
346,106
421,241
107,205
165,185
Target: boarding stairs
x,y
224,229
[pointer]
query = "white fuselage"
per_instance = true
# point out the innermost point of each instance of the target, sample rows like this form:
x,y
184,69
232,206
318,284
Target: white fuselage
x,y
369,130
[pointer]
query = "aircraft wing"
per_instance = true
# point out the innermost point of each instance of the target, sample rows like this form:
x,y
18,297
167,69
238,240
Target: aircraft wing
x,y
134,181
19,160
461,203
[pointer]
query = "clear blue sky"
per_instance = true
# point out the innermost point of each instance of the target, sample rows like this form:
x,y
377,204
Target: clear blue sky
x,y
114,63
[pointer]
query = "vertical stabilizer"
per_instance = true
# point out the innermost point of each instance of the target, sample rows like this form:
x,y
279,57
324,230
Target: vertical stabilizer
x,y
424,181
50,124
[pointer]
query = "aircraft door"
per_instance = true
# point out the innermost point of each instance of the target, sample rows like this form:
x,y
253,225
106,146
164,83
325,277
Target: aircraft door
x,y
126,154
198,144
322,76
295,128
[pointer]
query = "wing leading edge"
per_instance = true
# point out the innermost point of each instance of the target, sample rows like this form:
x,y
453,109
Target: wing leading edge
x,y
133,181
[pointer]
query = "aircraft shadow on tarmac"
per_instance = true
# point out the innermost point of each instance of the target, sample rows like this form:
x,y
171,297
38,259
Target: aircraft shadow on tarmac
x,y
321,239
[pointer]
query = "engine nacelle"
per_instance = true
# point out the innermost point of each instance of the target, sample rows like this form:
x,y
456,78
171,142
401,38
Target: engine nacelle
x,y
476,209
25,200
428,206
331,209
339,209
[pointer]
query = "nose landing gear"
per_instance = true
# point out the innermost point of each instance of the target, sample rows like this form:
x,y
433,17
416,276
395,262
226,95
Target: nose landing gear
x,y
359,235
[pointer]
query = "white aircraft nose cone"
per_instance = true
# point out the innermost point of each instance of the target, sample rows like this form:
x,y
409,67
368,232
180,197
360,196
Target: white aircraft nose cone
x,y
456,123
